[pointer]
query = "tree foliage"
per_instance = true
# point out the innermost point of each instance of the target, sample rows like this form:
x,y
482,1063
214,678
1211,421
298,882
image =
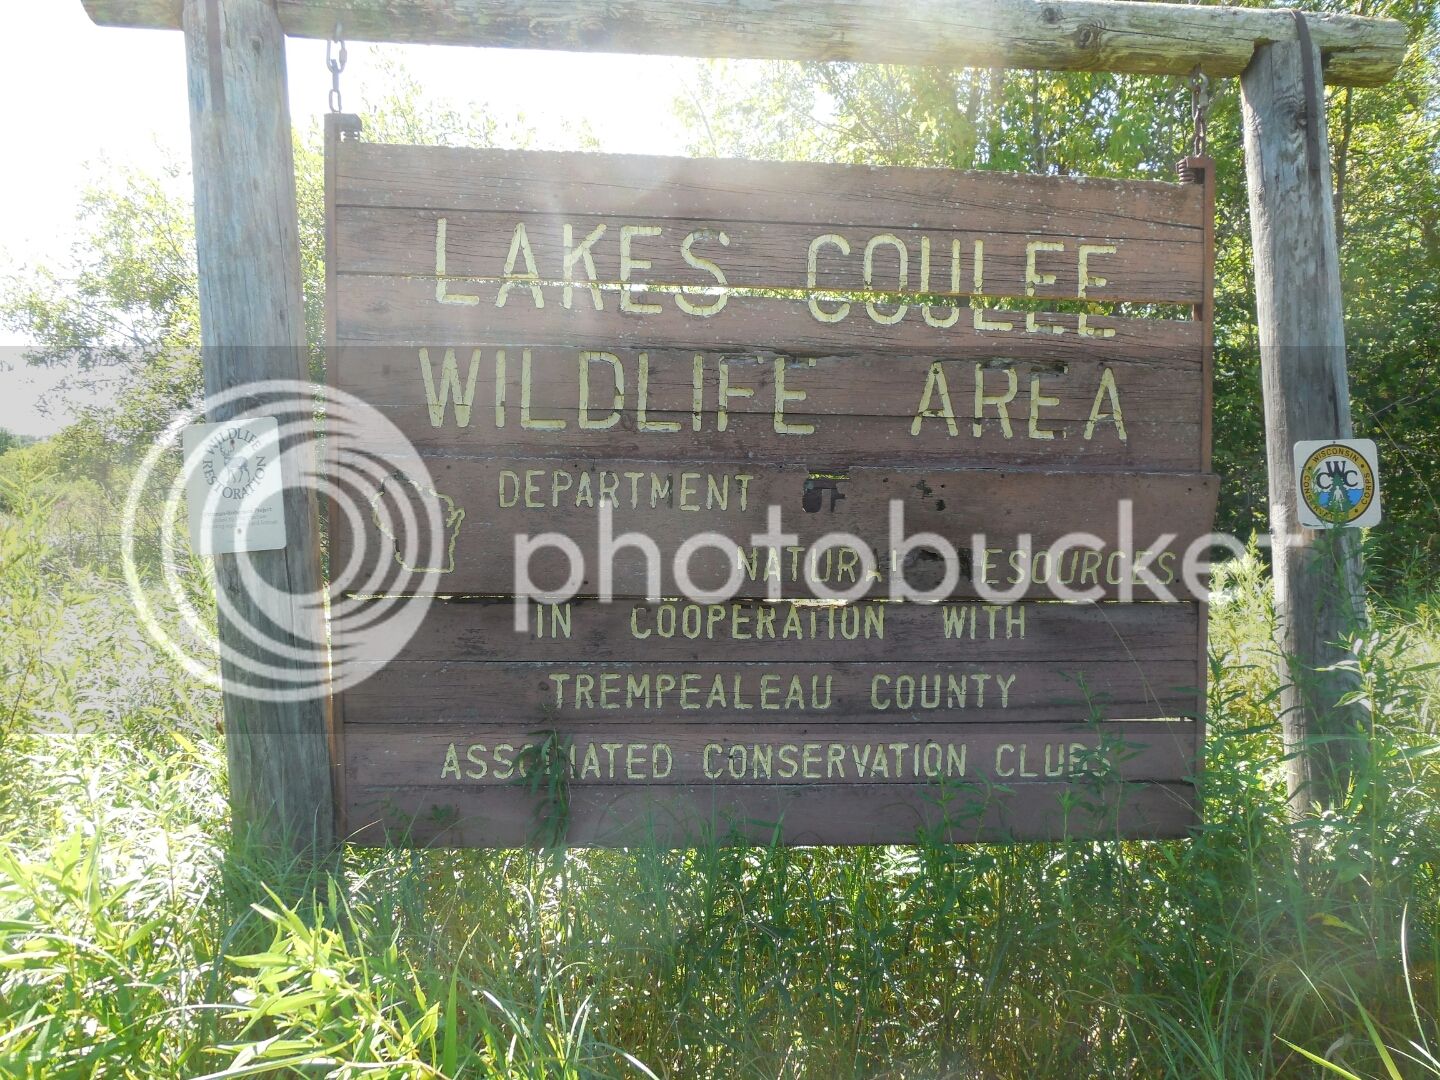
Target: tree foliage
x,y
124,305
1385,145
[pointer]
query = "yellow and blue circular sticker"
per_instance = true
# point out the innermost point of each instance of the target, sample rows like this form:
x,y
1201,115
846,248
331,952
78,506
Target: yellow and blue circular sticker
x,y
1339,483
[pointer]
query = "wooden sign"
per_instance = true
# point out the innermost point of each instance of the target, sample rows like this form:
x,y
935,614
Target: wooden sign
x,y
1005,362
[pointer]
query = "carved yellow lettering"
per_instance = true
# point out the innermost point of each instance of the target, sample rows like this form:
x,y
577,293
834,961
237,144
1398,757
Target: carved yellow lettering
x,y
1034,327
509,482
581,254
520,249
1039,400
475,755
504,764
983,399
935,384
452,763
608,486
688,480
928,311
499,388
888,239
591,764
810,761
442,283
632,761
560,482
782,395
436,400
587,422
642,405
1004,683
629,263
1002,767
812,274
977,304
789,764
1106,390
727,391
699,262
1088,279
697,392
1032,276
527,379
1084,329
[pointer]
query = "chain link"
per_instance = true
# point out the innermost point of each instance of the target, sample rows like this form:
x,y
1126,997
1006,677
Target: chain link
x,y
1199,109
336,57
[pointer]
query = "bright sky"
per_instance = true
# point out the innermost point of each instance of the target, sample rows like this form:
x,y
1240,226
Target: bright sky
x,y
77,97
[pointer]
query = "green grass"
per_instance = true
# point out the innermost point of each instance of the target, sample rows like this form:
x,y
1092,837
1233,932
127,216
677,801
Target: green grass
x,y
137,940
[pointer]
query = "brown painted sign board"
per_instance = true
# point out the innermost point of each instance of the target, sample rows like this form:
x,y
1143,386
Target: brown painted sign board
x,y
693,342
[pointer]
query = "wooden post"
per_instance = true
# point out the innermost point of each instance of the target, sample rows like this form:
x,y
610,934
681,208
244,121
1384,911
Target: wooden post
x,y
1318,587
253,328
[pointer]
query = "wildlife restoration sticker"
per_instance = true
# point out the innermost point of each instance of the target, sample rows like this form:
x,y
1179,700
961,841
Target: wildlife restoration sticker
x,y
233,486
1339,483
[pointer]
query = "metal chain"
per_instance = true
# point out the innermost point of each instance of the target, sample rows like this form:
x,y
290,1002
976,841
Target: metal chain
x,y
1199,109
336,56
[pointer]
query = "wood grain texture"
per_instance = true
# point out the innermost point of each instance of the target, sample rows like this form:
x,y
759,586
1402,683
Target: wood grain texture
x,y
769,212
1202,170
253,329
667,499
1318,578
874,197
466,686
748,630
771,254
860,408
1068,35
883,688
768,813
1140,241
490,754
403,311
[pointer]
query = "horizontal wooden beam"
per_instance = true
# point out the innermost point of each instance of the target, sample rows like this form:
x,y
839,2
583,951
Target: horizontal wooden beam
x,y
1062,35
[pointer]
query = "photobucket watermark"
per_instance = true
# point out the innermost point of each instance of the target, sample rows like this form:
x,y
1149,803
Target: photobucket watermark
x,y
287,636
839,566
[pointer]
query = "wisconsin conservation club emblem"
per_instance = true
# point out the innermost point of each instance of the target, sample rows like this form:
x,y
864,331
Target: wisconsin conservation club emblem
x,y
1339,483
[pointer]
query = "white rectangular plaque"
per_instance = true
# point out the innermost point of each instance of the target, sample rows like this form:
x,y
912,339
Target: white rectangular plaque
x,y
233,486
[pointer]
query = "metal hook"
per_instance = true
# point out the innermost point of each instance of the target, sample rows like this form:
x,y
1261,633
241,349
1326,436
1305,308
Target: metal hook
x,y
1199,109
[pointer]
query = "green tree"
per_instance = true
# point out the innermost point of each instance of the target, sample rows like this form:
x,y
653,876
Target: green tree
x,y
1386,160
123,306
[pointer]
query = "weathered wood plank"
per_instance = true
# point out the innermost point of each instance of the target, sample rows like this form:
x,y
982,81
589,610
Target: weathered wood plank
x,y
874,197
766,813
838,409
490,754
1319,593
404,311
1067,35
836,443
773,255
670,631
672,501
253,330
404,264
704,692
